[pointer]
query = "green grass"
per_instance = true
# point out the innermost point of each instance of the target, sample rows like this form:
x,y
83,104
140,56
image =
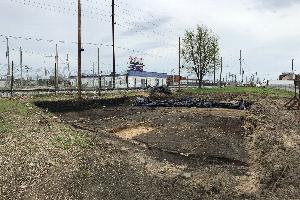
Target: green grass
x,y
53,97
66,142
14,106
103,95
242,90
9,109
3,127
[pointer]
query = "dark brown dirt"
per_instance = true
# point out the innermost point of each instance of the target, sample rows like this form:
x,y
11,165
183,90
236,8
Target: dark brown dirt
x,y
199,133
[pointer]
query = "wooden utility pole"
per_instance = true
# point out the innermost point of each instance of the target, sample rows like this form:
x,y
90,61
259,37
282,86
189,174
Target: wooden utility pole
x,y
55,78
179,63
214,63
99,76
21,65
235,80
113,38
12,79
293,65
8,59
240,62
221,71
56,68
79,52
243,73
68,63
93,75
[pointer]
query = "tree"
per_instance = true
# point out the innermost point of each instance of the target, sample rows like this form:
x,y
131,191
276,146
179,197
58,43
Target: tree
x,y
200,51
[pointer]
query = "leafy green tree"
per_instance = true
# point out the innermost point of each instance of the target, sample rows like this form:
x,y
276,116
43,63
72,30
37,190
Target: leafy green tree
x,y
201,52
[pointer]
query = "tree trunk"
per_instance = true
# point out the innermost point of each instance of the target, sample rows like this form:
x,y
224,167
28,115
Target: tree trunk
x,y
200,80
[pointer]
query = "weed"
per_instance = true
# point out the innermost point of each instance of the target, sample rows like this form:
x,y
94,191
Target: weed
x,y
67,142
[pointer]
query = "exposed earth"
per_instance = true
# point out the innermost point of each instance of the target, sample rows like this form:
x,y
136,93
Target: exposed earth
x,y
110,149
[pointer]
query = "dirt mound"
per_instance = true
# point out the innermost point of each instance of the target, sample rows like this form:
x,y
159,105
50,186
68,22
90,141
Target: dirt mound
x,y
85,104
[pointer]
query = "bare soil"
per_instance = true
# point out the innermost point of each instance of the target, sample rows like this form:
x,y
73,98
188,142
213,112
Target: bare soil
x,y
109,149
203,133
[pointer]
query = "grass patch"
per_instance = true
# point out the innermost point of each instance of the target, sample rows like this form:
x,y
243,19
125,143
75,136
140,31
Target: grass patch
x,y
73,96
242,90
67,142
13,106
53,97
3,127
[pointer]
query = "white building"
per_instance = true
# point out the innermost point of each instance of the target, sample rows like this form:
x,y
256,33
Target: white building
x,y
133,79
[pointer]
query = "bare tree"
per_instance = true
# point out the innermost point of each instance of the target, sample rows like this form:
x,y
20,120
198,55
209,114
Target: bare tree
x,y
200,52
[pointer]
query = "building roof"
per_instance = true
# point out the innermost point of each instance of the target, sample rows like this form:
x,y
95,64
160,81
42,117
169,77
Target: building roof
x,y
146,74
130,73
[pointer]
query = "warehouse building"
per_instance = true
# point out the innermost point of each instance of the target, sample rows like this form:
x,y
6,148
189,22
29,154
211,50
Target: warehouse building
x,y
135,77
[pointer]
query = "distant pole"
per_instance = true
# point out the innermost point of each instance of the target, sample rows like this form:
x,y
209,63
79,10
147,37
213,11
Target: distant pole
x,y
235,80
27,75
221,71
113,38
99,77
240,62
56,67
21,65
173,77
293,65
93,75
179,63
68,63
8,59
37,79
243,73
214,63
55,78
12,79
79,52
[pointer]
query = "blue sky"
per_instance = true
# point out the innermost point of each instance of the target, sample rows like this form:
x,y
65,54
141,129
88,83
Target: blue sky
x,y
266,30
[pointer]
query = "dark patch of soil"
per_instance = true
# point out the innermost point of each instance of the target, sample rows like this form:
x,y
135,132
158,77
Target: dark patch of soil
x,y
212,134
75,105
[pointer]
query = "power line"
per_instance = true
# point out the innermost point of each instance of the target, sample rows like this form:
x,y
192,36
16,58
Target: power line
x,y
67,10
75,43
137,28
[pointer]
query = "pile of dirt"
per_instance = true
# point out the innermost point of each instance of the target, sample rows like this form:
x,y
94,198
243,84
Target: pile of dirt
x,y
81,105
191,102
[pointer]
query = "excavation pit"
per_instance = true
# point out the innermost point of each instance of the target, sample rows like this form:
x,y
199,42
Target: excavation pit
x,y
198,133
